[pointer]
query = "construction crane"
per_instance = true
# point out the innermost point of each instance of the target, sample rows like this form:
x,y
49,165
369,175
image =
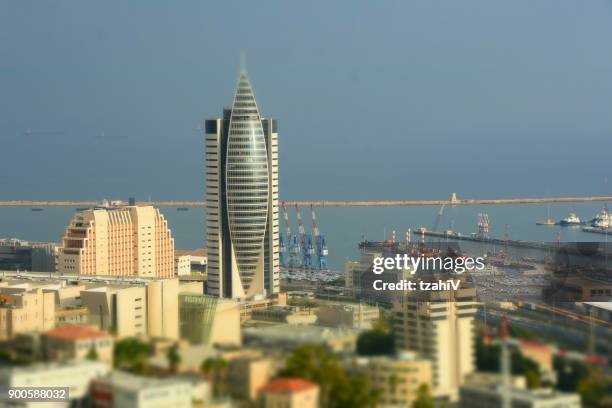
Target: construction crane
x,y
483,224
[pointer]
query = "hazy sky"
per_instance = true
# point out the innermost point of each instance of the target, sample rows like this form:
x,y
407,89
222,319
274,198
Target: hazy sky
x,y
388,100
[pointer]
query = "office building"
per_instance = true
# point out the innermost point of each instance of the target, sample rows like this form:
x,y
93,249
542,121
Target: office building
x,y
439,326
242,199
351,315
290,393
75,375
128,241
206,319
491,396
120,389
16,254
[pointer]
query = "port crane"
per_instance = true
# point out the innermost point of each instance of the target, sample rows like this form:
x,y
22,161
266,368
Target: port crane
x,y
291,245
320,245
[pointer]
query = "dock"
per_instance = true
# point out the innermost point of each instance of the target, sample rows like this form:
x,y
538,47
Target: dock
x,y
401,203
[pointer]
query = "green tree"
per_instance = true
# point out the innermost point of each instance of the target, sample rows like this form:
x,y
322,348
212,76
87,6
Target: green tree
x,y
92,354
174,358
423,398
338,390
375,342
132,354
595,388
214,370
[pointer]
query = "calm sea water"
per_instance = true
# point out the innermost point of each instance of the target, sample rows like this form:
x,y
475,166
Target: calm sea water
x,y
342,227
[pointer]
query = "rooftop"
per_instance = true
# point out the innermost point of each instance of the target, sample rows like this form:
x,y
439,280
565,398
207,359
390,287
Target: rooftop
x,y
75,332
288,386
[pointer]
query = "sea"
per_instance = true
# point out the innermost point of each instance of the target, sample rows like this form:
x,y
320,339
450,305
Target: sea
x,y
343,227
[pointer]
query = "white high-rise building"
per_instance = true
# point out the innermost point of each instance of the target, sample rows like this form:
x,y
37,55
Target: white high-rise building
x,y
242,199
440,327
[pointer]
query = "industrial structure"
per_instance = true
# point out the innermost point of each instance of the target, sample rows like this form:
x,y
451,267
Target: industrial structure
x,y
306,251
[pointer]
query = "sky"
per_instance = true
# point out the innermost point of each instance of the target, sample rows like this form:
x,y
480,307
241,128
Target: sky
x,y
375,100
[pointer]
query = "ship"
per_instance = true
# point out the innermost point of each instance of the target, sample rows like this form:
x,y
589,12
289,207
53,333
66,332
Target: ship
x,y
571,219
603,219
182,209
37,209
547,221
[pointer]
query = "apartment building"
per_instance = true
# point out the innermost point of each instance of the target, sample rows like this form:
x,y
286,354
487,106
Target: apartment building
x,y
398,377
24,310
439,326
128,241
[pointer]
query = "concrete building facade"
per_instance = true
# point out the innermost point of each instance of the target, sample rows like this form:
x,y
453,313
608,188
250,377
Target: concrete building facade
x,y
440,328
118,241
242,199
24,310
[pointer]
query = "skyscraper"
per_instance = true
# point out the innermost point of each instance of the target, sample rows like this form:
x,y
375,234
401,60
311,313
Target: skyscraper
x,y
242,199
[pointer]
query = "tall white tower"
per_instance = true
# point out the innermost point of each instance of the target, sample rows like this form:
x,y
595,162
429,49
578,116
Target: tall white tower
x,y
242,199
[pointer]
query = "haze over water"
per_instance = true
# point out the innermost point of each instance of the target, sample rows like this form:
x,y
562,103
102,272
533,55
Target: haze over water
x,y
406,100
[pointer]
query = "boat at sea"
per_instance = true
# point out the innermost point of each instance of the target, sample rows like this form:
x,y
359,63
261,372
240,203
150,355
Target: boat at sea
x,y
547,221
37,209
182,209
603,219
571,219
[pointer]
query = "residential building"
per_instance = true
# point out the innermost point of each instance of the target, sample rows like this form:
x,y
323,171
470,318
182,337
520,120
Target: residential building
x,y
206,319
242,199
128,241
290,393
352,315
123,306
72,342
246,375
24,310
75,375
120,389
439,326
398,378
491,396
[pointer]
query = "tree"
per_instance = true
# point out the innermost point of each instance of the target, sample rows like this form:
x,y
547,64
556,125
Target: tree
x,y
174,358
375,342
131,354
92,354
214,370
423,397
338,390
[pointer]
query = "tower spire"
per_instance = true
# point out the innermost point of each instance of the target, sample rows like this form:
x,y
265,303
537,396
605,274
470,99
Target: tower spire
x,y
243,69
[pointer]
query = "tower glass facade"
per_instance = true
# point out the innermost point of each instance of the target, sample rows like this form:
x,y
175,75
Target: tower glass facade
x,y
242,199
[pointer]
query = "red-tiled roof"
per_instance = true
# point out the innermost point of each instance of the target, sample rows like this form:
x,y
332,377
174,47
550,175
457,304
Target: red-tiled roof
x,y
288,386
75,332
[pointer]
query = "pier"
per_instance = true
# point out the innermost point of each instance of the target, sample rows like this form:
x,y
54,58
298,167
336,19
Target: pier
x,y
399,203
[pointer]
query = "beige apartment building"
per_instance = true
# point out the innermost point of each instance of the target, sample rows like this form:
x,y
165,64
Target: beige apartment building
x,y
439,327
118,241
398,378
25,310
